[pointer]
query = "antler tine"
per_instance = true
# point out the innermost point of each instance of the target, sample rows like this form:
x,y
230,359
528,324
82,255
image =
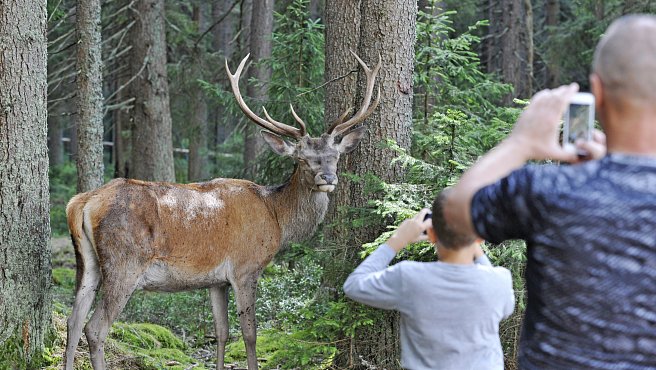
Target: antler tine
x,y
339,120
271,125
298,119
366,108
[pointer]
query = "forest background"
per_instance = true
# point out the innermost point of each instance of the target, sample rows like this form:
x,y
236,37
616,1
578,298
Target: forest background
x,y
455,76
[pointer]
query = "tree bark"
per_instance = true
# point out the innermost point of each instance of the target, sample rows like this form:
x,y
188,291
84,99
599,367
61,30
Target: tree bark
x,y
509,48
387,27
89,97
55,135
260,48
553,62
25,275
152,146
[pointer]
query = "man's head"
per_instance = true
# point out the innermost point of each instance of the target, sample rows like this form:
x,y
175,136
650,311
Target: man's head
x,y
442,234
624,64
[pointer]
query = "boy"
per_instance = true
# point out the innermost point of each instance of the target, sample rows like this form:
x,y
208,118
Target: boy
x,y
450,309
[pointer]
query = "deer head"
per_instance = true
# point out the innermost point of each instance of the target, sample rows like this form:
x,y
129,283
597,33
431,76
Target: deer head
x,y
316,157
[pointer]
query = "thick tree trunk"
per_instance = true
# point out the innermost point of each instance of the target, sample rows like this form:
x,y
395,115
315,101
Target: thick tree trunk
x,y
342,19
387,27
260,48
24,199
152,146
89,97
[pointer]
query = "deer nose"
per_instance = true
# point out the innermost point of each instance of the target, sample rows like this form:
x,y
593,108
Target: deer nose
x,y
328,178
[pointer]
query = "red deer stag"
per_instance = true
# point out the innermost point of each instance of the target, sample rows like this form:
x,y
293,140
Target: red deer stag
x,y
132,234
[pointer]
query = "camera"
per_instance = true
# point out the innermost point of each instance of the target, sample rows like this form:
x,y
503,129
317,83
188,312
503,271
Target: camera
x,y
579,120
428,216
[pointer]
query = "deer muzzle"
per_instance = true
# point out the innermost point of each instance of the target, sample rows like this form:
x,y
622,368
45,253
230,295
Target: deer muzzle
x,y
326,182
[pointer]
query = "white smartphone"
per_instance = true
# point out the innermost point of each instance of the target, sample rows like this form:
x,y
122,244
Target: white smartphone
x,y
579,119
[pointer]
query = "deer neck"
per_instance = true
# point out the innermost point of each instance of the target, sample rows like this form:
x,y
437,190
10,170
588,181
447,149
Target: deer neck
x,y
298,208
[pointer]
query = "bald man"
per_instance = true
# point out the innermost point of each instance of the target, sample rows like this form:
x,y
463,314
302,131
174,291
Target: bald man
x,y
590,227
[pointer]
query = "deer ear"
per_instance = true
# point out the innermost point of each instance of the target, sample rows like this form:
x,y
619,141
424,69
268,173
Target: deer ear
x,y
351,140
278,144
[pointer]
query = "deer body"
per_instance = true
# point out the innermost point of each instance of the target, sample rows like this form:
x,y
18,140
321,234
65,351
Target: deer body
x,y
132,234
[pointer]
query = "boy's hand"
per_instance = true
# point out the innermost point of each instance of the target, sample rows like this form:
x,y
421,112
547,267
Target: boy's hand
x,y
410,231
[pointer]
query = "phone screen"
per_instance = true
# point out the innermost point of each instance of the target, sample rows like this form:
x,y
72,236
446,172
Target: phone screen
x,y
579,124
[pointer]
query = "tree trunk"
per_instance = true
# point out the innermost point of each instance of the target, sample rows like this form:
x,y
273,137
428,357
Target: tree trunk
x,y
553,62
315,9
260,48
55,135
152,146
25,276
89,97
198,169
223,43
342,19
509,48
387,27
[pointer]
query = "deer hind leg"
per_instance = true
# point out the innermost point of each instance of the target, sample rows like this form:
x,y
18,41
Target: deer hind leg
x,y
88,277
219,300
245,295
116,289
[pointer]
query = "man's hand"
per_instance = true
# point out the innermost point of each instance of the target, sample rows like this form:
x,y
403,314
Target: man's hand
x,y
535,135
596,148
410,231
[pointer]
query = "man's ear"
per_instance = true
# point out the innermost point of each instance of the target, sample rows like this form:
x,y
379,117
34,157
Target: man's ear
x,y
351,140
597,87
278,144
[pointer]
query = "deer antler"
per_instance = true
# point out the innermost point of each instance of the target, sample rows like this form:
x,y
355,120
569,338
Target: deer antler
x,y
339,126
269,123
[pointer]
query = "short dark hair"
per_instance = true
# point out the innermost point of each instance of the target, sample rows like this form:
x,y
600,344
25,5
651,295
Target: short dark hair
x,y
446,236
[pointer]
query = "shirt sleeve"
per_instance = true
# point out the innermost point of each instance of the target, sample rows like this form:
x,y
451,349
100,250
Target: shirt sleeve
x,y
506,209
374,283
509,306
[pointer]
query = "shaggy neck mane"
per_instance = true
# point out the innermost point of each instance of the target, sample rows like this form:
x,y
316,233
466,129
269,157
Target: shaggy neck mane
x,y
298,209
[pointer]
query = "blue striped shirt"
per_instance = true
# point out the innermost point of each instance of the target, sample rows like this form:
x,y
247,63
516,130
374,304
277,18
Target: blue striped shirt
x,y
591,269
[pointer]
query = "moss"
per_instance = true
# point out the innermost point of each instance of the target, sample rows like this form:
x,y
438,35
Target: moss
x,y
155,346
64,277
12,356
147,336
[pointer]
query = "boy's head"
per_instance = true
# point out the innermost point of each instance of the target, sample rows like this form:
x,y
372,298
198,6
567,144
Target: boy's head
x,y
445,236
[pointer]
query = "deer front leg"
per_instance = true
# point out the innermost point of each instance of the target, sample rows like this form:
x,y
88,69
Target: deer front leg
x,y
219,300
245,295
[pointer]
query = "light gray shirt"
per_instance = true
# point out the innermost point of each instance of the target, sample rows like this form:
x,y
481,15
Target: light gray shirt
x,y
450,313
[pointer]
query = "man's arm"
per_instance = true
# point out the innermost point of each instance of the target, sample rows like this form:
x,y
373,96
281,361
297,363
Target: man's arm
x,y
534,137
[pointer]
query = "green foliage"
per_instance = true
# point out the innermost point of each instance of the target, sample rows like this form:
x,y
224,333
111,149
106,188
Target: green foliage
x,y
63,185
